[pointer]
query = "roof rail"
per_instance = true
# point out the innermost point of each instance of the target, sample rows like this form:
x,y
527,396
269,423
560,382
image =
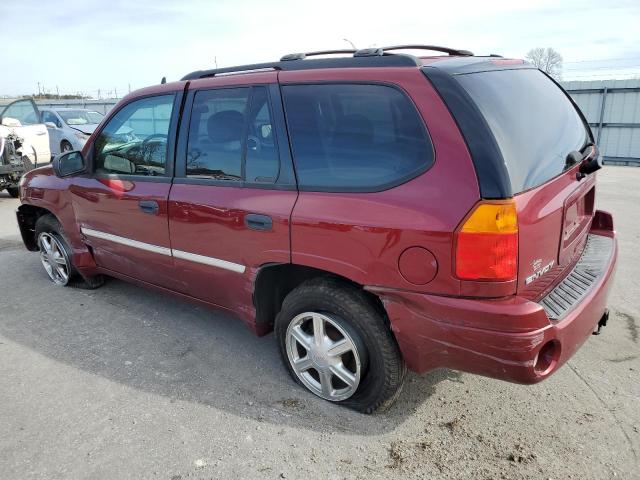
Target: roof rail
x,y
366,57
302,56
255,67
435,48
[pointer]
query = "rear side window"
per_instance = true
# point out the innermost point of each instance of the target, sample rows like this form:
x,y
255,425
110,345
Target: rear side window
x,y
532,120
354,137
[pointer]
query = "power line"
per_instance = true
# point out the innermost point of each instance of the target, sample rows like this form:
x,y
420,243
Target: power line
x,y
605,76
603,60
622,67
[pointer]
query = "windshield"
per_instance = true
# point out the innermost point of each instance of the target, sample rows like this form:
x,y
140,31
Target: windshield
x,y
533,121
80,117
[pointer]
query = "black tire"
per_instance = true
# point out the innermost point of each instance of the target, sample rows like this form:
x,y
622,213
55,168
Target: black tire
x,y
14,191
65,146
383,370
49,224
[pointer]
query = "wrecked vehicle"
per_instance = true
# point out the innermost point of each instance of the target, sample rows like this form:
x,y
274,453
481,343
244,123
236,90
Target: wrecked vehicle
x,y
13,164
24,143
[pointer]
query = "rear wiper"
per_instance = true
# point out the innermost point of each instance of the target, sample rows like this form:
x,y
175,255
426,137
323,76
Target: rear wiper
x,y
573,157
589,159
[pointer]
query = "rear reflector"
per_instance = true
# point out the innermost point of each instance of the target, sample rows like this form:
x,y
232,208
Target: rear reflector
x,y
487,243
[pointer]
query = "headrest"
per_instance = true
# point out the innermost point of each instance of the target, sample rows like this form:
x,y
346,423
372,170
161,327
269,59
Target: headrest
x,y
225,126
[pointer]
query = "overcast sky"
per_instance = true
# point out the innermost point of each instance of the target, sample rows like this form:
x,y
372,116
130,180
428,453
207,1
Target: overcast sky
x,y
86,45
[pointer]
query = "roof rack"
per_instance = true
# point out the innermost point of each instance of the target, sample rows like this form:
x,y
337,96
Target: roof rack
x,y
366,57
256,67
302,56
434,48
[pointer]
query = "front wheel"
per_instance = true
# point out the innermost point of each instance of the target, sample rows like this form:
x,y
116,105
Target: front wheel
x,y
336,343
55,255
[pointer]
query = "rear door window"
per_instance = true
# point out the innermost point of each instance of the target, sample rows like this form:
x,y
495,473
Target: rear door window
x,y
231,136
354,137
532,119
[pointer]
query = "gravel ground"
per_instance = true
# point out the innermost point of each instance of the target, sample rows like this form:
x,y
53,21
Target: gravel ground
x,y
125,383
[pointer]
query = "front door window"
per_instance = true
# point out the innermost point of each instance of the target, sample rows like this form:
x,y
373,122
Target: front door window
x,y
134,142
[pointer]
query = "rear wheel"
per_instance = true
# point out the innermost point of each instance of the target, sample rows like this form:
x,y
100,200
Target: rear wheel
x,y
14,191
56,258
335,342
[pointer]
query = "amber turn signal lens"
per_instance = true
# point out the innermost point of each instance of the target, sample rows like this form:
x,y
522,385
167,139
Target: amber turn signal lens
x,y
487,243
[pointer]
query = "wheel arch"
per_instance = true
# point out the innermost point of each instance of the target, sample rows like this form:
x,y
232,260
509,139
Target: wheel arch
x,y
27,216
65,140
274,282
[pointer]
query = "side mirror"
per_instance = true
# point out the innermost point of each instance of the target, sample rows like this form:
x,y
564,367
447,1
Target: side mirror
x,y
10,122
69,163
50,125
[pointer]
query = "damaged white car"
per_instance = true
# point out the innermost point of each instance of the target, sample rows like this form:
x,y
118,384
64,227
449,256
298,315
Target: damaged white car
x,y
24,143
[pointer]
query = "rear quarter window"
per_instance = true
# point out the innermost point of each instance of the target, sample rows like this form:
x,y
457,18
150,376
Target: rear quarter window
x,y
533,121
355,137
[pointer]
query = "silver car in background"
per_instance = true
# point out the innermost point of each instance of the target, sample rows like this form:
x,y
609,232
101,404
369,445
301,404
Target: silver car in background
x,y
69,128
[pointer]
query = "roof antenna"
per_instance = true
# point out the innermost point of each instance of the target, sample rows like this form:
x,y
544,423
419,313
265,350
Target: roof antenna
x,y
163,81
349,41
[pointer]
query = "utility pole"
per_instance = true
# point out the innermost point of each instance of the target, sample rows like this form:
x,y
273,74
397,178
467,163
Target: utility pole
x,y
57,92
115,92
215,61
99,97
129,88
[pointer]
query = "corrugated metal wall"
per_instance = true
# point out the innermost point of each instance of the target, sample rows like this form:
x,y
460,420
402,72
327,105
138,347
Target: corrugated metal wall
x,y
612,108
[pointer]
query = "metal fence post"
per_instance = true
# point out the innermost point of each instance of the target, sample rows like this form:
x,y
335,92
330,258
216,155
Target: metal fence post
x,y
602,104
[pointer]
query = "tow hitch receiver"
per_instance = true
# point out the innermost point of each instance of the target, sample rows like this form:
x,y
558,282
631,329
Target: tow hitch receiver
x,y
602,322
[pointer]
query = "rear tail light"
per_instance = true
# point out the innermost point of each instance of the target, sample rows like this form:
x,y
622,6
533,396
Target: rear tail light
x,y
486,244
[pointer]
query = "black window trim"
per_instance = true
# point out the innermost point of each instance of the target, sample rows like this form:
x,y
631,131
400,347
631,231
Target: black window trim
x,y
379,188
285,179
174,122
491,171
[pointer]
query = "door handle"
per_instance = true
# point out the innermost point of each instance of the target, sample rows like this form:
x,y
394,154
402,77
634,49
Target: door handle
x,y
149,206
254,221
41,133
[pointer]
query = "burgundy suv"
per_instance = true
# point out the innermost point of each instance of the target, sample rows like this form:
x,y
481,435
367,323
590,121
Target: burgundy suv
x,y
380,211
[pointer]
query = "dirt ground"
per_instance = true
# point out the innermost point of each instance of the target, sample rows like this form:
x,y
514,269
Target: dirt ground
x,y
125,383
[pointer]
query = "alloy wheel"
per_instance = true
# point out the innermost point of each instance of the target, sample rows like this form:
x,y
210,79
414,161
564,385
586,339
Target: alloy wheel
x,y
54,258
323,356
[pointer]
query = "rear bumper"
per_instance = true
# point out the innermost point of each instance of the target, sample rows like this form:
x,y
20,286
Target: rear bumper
x,y
510,339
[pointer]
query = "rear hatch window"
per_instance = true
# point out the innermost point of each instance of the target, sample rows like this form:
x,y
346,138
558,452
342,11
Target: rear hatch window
x,y
533,121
